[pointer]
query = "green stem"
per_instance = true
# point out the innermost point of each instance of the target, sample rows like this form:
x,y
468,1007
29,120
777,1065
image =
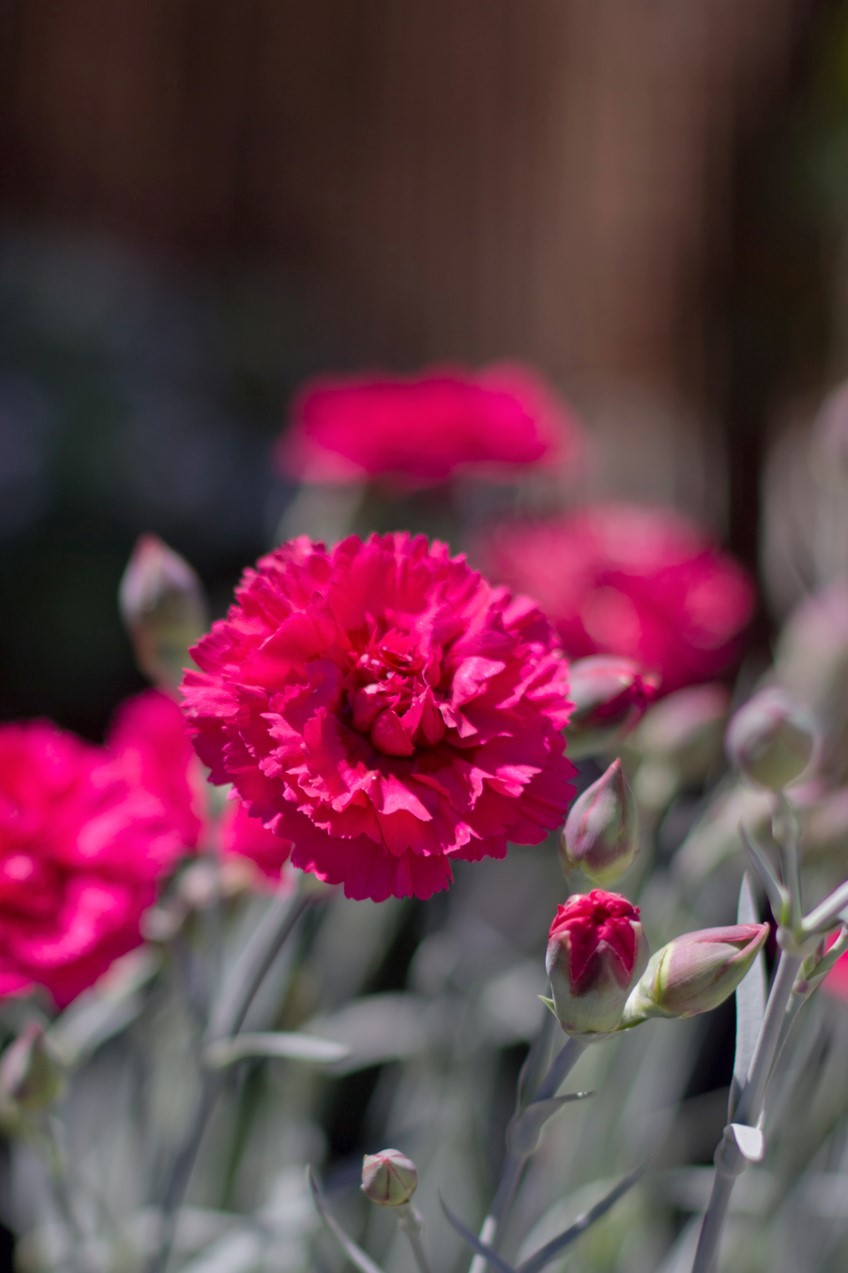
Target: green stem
x,y
250,971
729,1162
515,1165
411,1224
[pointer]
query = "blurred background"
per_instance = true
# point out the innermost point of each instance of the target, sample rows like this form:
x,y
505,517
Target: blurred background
x,y
202,204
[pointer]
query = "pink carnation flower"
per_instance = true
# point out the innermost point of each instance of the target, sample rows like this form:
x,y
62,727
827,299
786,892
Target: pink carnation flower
x,y
386,710
152,740
640,582
81,849
423,429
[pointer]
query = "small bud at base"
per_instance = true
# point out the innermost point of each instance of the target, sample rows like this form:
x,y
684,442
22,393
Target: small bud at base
x,y
389,1178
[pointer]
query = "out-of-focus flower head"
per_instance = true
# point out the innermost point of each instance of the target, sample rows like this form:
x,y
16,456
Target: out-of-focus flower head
x,y
151,738
836,981
424,429
636,581
610,696
81,850
596,953
386,710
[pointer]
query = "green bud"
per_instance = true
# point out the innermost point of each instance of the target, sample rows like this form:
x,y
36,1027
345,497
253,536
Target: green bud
x,y
31,1076
163,608
695,973
770,740
389,1178
685,730
601,836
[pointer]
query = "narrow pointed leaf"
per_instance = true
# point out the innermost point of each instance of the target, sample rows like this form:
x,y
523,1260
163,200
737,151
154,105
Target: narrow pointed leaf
x,y
750,1000
286,1046
495,1260
551,1250
524,1132
354,1253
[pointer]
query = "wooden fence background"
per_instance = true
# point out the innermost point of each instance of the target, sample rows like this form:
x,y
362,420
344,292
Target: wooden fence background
x,y
551,179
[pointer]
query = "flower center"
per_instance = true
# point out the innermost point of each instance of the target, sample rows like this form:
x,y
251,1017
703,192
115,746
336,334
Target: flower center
x,y
392,696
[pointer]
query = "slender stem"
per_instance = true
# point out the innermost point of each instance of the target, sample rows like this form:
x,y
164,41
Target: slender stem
x,y
259,954
729,1162
826,914
411,1224
57,1159
257,958
561,1066
515,1165
785,826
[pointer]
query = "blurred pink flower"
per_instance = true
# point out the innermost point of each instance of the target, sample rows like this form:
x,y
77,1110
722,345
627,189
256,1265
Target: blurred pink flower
x,y
420,430
636,581
81,850
386,710
152,740
836,981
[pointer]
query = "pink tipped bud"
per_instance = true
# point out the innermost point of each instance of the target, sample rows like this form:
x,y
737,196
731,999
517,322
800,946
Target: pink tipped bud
x,y
696,972
596,952
389,1178
31,1076
770,740
601,835
162,604
685,730
610,695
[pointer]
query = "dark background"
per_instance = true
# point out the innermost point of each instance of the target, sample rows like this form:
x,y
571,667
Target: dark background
x,y
201,204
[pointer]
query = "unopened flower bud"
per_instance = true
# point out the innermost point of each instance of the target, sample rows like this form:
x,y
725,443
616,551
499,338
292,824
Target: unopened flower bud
x,y
596,952
610,695
685,730
389,1178
770,740
696,972
162,604
31,1075
601,834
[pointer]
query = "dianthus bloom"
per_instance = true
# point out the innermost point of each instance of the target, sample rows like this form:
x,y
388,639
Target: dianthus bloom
x,y
386,710
640,582
596,953
151,738
423,429
81,850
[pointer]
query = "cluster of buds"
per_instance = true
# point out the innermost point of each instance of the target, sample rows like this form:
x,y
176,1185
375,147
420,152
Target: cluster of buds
x,y
610,696
602,980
